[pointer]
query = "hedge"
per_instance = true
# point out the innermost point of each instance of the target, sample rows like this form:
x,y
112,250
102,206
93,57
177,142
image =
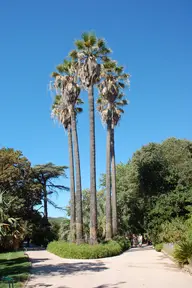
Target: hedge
x,y
159,247
85,251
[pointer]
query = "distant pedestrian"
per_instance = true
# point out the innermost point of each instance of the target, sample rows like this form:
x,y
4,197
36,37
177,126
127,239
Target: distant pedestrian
x,y
140,240
135,240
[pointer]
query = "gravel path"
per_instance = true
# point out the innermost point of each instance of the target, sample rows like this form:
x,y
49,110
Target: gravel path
x,y
137,268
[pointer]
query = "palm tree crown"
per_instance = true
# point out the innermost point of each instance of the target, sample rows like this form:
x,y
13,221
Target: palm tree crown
x,y
91,51
111,97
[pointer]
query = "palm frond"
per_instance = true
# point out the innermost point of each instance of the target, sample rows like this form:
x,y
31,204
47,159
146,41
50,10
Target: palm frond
x,y
122,102
80,101
104,51
119,69
92,39
73,54
54,74
78,110
105,58
57,100
101,43
60,68
120,110
122,85
109,65
85,36
80,44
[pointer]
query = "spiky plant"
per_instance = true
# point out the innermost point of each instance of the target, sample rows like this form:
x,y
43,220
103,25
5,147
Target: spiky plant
x,y
89,54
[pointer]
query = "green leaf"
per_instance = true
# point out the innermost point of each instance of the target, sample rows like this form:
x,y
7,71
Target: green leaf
x,y
73,54
85,36
80,44
101,43
92,39
60,68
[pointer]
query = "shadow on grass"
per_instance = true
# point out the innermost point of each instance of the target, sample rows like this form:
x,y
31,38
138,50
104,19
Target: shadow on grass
x,y
13,261
17,268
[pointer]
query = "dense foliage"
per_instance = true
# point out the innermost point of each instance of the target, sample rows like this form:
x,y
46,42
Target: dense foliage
x,y
86,251
21,197
154,187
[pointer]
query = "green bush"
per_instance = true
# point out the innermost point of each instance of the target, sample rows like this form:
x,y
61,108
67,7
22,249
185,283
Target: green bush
x,y
84,251
183,252
159,247
173,232
123,242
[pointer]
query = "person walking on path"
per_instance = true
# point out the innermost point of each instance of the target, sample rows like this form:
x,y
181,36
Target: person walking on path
x,y
140,240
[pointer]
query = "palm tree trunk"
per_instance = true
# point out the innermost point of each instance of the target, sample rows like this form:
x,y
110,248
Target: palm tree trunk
x,y
93,196
108,184
72,186
45,202
79,213
113,180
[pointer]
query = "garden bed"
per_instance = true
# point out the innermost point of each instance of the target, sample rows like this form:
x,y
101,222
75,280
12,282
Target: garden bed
x,y
86,251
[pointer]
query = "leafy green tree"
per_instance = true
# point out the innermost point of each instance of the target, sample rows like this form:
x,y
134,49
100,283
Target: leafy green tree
x,y
45,175
154,187
64,231
88,55
19,194
101,200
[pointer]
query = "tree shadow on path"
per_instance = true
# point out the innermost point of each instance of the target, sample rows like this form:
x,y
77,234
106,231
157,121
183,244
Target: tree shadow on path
x,y
63,269
116,285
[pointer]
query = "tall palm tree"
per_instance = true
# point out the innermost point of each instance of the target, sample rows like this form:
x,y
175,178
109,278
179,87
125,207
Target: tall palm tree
x,y
117,112
113,81
90,52
65,80
64,118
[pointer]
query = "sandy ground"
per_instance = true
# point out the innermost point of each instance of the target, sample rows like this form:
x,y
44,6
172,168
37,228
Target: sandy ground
x,y
142,267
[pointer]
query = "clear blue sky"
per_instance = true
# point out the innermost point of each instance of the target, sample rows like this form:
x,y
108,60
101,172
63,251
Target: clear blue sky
x,y
152,39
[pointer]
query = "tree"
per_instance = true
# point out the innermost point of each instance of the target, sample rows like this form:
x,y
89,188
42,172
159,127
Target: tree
x,y
101,200
65,80
90,51
19,194
64,118
154,187
109,106
45,175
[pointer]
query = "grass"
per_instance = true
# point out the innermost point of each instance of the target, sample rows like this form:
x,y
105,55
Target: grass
x,y
14,265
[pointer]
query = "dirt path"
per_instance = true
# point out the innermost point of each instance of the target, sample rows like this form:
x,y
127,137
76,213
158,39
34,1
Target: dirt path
x,y
138,268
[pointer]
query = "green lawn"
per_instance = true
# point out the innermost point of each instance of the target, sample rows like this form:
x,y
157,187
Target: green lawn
x,y
15,265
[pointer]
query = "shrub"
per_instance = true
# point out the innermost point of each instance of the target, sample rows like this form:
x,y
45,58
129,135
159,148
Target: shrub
x,y
183,252
123,242
159,247
84,251
173,232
